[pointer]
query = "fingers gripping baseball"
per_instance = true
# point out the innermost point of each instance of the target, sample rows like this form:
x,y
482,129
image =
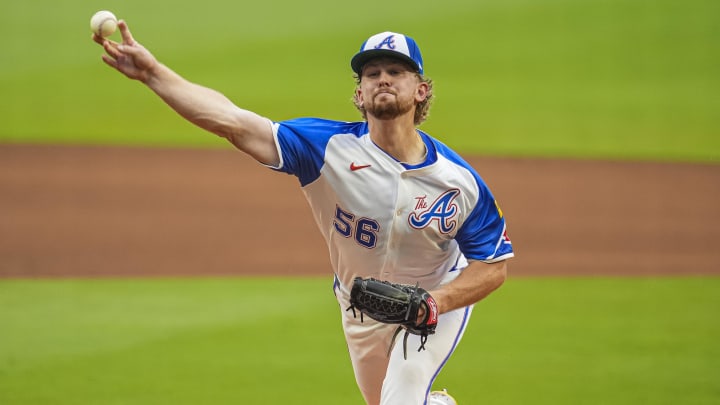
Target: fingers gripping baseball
x,y
128,57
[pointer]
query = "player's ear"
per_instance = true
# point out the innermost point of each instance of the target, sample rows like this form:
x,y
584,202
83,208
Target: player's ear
x,y
421,92
358,96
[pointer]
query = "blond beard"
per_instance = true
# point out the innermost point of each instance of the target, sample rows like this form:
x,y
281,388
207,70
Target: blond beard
x,y
390,110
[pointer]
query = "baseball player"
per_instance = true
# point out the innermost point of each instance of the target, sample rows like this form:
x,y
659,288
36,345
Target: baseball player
x,y
392,202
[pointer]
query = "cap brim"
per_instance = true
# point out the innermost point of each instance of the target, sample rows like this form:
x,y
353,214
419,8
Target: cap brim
x,y
361,58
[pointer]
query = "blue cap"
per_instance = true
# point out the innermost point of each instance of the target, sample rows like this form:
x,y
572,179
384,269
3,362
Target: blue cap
x,y
388,44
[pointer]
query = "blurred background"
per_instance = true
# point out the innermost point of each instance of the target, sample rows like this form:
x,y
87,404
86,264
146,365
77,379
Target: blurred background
x,y
591,78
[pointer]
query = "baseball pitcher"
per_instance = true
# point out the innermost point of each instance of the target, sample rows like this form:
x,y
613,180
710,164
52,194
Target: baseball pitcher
x,y
415,236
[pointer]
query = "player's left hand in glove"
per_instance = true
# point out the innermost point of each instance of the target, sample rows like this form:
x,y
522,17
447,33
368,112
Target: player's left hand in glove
x,y
396,304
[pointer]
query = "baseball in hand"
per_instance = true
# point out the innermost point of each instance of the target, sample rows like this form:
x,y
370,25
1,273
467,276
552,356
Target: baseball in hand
x,y
103,23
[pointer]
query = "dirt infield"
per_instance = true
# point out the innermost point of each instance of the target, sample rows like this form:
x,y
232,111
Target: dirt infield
x,y
91,211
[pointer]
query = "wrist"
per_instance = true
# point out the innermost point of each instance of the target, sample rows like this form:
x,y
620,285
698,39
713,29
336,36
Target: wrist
x,y
440,300
154,74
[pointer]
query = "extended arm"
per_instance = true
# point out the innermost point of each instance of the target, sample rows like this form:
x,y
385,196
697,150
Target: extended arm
x,y
200,105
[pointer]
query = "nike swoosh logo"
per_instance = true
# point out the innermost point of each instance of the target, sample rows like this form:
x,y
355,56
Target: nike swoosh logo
x,y
355,167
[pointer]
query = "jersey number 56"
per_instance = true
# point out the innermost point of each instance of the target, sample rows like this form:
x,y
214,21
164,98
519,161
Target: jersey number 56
x,y
364,230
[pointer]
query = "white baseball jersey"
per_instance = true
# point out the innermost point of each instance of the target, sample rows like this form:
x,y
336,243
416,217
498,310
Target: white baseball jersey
x,y
385,219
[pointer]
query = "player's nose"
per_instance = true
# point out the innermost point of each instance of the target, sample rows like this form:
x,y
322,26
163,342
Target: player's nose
x,y
384,79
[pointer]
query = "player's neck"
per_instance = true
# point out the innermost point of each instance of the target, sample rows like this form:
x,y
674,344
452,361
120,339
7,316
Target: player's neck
x,y
399,138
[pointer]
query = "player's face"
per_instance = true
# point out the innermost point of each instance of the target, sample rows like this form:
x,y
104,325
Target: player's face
x,y
389,88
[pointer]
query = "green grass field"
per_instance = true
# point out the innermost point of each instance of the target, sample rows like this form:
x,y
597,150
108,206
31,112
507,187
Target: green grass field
x,y
227,341
623,79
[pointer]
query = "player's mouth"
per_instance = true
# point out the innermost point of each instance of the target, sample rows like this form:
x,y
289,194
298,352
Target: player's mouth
x,y
382,92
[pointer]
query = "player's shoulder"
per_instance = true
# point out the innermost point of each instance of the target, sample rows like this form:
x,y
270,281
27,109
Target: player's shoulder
x,y
324,127
452,160
447,152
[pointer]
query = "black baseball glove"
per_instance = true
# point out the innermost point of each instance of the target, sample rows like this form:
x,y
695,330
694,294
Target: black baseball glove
x,y
395,304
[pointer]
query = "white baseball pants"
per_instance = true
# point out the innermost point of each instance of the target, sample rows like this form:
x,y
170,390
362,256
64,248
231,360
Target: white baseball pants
x,y
392,380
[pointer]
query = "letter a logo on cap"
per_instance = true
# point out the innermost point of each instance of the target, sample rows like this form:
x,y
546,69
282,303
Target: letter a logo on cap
x,y
389,42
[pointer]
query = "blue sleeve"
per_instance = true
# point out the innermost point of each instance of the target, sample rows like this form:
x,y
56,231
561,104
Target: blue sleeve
x,y
483,235
303,142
